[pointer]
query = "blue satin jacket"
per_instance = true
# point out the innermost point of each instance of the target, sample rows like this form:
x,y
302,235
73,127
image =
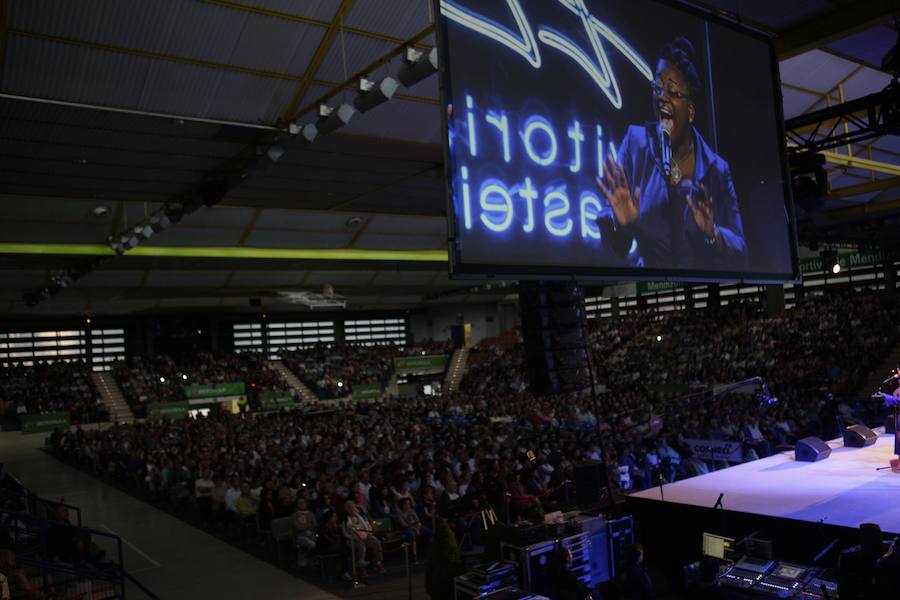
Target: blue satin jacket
x,y
665,234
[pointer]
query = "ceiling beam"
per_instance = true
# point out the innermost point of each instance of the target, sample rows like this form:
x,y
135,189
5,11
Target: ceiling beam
x,y
845,20
286,16
199,62
336,26
856,162
865,188
862,210
231,252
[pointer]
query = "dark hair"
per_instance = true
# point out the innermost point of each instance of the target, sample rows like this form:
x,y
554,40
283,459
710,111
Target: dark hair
x,y
680,53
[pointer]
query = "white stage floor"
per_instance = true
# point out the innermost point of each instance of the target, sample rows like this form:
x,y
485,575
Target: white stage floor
x,y
844,489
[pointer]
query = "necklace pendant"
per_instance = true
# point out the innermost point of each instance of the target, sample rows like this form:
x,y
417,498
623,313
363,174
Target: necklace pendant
x,y
675,175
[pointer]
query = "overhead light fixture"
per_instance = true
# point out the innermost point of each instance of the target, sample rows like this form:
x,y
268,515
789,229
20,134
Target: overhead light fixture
x,y
417,65
306,133
144,231
275,152
100,211
173,213
331,119
373,94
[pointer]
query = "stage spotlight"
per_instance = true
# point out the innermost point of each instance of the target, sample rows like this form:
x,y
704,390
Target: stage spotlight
x,y
174,213
144,231
417,65
830,261
275,152
160,223
129,241
331,119
307,133
373,94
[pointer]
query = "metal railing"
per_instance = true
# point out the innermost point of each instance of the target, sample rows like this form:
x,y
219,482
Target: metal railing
x,y
70,560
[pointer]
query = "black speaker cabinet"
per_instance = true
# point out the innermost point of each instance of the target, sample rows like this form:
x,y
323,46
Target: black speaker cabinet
x,y
554,329
811,449
857,436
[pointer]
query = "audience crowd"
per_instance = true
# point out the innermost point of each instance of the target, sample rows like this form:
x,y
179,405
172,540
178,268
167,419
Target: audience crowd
x,y
332,371
62,386
161,378
340,475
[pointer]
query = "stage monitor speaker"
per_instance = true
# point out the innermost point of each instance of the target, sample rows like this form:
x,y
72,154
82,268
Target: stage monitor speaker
x,y
590,479
811,449
858,436
554,330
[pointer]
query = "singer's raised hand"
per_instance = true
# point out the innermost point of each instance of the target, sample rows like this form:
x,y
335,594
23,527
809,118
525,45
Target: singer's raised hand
x,y
626,205
702,211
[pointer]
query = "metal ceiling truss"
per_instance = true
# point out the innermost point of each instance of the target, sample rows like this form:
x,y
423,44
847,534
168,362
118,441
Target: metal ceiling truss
x,y
851,122
251,160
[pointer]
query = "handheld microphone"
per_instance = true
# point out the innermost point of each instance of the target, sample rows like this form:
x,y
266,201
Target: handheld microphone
x,y
665,144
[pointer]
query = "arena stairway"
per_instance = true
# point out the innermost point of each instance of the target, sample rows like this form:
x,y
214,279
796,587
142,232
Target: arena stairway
x,y
456,369
119,411
306,395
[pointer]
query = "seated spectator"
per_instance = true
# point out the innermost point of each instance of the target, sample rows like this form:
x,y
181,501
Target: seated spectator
x,y
408,522
305,525
360,534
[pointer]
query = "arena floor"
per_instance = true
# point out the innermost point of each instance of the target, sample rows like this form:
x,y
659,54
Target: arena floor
x,y
171,558
845,489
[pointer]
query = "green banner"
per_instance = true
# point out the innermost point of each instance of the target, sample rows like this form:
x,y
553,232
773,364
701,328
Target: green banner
x,y
46,422
651,287
167,410
275,402
370,391
214,390
420,364
847,260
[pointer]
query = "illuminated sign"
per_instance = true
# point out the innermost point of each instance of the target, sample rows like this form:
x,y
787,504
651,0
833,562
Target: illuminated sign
x,y
558,108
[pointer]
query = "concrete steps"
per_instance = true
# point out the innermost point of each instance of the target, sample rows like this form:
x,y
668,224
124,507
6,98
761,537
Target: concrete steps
x,y
456,369
306,395
119,411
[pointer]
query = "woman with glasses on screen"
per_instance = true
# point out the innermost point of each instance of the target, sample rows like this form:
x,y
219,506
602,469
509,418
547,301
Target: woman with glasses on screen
x,y
672,200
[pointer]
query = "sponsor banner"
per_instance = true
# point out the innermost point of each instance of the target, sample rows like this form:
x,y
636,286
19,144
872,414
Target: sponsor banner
x,y
167,410
717,450
46,422
274,402
214,390
847,260
420,364
371,391
651,287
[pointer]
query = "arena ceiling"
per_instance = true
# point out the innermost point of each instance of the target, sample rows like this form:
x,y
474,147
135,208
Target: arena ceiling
x,y
130,104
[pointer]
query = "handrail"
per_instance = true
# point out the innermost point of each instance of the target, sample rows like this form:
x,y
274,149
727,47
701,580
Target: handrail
x,y
34,498
38,554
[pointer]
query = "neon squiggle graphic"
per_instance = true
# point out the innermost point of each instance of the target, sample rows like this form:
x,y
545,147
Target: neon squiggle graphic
x,y
525,45
600,71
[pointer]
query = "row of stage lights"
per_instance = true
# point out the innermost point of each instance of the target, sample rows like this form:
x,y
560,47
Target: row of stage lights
x,y
417,66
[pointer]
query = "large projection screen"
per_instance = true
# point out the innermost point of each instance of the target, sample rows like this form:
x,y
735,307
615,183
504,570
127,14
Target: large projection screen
x,y
608,139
